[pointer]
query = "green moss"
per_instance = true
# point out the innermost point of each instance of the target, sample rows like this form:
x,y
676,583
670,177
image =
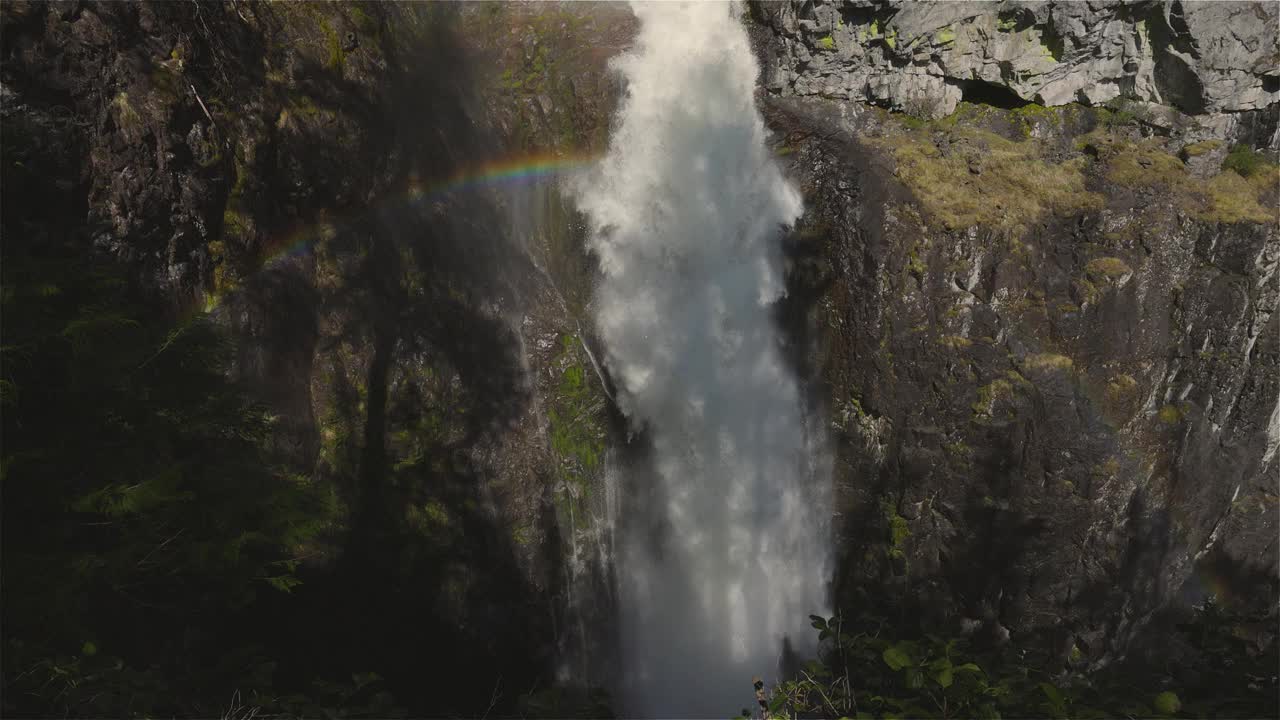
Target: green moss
x,y
945,36
127,116
362,21
955,342
991,394
524,536
914,265
1121,388
827,43
891,38
336,55
575,432
1029,115
899,530
1086,291
1170,414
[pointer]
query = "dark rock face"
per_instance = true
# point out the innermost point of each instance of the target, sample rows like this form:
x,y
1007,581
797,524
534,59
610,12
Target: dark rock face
x,y
1043,420
924,57
289,170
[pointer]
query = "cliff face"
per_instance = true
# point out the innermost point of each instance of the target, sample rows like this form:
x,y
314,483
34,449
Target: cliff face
x,y
1046,337
317,180
1212,59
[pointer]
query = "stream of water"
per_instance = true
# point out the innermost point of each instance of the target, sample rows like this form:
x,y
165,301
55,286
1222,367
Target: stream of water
x,y
722,550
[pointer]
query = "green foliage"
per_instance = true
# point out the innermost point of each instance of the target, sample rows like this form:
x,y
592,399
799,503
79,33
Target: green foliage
x,y
866,674
827,43
1167,703
148,496
864,671
576,435
1244,160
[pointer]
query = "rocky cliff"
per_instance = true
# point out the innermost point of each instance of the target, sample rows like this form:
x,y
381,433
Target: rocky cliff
x,y
1046,336
324,183
1207,59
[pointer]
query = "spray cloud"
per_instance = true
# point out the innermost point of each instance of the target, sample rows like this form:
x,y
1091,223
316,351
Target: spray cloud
x,y
722,553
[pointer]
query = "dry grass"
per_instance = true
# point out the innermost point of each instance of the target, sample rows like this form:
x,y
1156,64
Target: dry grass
x,y
1107,268
964,176
1047,361
1226,197
981,178
1234,199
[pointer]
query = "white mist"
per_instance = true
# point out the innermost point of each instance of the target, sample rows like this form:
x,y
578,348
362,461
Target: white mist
x,y
723,550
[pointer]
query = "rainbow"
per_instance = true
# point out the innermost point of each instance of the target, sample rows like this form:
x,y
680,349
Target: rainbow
x,y
490,174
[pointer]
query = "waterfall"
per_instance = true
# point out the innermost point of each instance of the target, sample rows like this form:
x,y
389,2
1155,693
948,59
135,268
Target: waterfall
x,y
722,547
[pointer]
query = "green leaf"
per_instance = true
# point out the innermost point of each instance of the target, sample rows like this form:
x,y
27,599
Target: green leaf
x,y
284,583
818,622
942,672
896,656
1053,693
968,667
88,649
1167,703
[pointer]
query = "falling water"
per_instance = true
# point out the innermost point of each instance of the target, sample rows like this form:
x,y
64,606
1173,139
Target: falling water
x,y
722,552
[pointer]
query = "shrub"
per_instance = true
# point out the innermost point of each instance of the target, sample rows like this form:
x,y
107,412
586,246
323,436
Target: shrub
x,y
1244,160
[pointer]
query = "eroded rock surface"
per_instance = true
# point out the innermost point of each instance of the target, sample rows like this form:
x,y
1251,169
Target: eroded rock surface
x,y
924,57
1054,394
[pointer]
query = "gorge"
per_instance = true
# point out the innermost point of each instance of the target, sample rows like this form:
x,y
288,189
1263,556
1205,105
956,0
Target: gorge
x,y
588,359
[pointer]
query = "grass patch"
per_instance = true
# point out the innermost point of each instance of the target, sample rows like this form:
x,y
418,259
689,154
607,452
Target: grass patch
x,y
982,178
990,395
1110,269
1234,199
1201,148
1047,361
1244,192
1170,414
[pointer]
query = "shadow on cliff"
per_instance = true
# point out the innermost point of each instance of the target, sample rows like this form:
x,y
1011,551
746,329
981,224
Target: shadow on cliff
x,y
427,592
396,323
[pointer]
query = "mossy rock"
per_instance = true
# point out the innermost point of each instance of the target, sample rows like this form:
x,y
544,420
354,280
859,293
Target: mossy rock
x,y
1108,270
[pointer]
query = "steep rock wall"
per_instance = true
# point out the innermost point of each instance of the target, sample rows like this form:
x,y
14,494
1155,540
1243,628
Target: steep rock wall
x,y
1049,351
1200,58
291,171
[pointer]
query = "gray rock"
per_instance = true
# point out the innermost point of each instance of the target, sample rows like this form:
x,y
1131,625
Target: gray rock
x,y
924,57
